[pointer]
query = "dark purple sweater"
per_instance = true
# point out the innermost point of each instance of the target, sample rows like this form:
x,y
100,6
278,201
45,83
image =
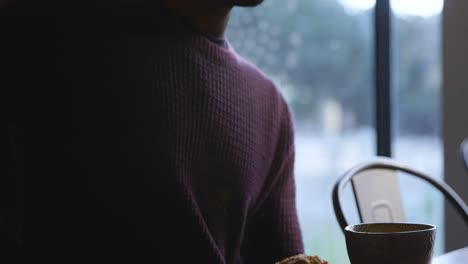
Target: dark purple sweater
x,y
153,144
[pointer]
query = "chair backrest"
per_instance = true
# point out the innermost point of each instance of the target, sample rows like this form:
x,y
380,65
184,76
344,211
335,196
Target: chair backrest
x,y
464,152
376,189
378,197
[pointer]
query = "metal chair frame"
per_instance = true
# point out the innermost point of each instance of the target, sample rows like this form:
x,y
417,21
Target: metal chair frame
x,y
390,164
464,152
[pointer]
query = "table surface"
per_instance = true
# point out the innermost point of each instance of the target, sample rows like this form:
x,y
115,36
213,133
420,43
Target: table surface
x,y
459,256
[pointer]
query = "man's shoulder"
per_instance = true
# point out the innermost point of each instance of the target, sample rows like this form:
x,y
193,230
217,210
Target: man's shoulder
x,y
250,67
268,85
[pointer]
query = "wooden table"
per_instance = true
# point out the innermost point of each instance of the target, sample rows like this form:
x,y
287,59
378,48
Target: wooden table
x,y
455,257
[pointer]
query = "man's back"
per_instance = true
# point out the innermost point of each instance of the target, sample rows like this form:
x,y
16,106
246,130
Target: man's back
x,y
161,145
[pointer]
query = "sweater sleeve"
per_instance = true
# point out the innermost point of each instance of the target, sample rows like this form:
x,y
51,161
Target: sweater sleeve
x,y
273,232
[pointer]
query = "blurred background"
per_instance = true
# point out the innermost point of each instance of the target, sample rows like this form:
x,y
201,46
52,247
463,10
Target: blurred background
x,y
321,55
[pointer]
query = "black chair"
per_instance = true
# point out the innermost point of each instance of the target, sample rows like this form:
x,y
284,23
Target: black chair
x,y
384,204
464,152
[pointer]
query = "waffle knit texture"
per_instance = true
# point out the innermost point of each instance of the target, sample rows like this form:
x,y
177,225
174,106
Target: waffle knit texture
x,y
138,140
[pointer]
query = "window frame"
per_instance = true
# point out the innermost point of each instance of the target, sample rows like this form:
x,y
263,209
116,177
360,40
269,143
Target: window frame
x,y
383,98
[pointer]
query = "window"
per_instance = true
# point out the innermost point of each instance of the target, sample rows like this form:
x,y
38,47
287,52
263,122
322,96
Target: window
x,y
416,78
321,55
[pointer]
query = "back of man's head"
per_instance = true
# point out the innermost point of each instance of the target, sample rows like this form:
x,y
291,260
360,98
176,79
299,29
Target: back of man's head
x,y
244,2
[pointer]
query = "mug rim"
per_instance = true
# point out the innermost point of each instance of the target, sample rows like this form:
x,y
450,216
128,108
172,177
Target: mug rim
x,y
427,227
